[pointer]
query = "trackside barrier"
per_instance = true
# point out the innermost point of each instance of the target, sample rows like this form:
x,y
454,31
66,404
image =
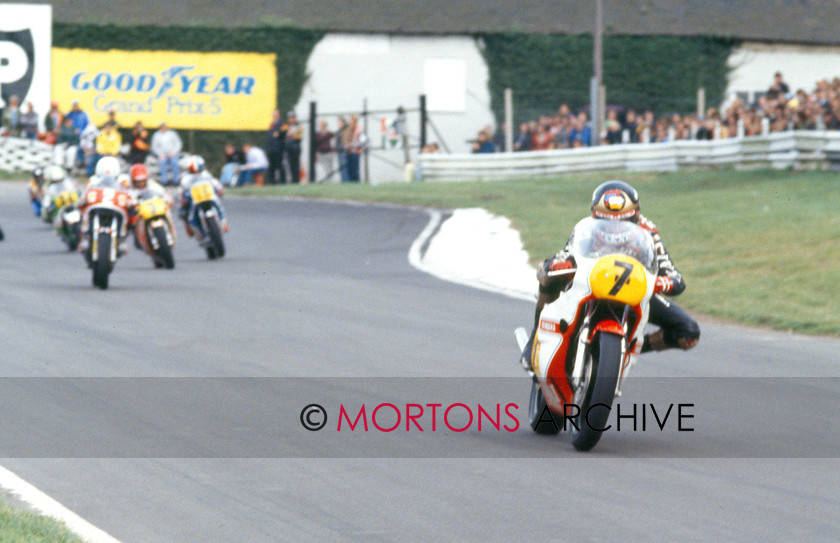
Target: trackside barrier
x,y
799,149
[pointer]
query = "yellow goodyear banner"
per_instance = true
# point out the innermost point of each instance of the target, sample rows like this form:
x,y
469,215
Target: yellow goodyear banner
x,y
210,91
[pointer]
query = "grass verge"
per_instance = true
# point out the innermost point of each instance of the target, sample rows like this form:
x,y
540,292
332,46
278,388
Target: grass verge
x,y
19,526
758,247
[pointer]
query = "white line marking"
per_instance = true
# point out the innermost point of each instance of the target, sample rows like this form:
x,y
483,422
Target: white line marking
x,y
477,249
45,505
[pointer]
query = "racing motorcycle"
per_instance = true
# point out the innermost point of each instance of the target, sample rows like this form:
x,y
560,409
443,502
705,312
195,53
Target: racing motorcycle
x,y
154,229
587,339
62,210
105,213
205,210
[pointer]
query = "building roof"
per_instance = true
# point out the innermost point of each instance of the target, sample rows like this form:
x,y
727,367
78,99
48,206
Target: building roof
x,y
793,21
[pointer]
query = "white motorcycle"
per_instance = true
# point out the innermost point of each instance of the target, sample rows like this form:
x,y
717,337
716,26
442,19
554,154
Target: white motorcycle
x,y
589,337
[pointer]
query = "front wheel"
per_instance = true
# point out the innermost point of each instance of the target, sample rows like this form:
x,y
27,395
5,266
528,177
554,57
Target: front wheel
x,y
596,393
73,236
102,266
164,252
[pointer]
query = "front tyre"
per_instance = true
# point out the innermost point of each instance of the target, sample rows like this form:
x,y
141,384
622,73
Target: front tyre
x,y
596,392
164,252
102,266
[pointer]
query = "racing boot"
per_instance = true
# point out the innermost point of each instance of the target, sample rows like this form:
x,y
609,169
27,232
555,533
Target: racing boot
x,y
525,357
654,342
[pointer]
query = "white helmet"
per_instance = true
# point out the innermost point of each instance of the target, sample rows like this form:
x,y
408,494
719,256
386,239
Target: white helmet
x,y
108,165
55,174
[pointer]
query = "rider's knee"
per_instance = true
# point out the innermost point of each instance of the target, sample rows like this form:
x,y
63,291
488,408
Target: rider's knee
x,y
689,336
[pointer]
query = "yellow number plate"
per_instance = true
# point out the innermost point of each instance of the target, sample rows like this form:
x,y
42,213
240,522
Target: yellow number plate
x,y
66,198
620,278
152,208
201,193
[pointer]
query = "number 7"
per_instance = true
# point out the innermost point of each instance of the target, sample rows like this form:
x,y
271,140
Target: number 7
x,y
622,279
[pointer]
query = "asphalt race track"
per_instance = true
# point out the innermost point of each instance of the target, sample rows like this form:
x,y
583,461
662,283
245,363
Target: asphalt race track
x,y
317,289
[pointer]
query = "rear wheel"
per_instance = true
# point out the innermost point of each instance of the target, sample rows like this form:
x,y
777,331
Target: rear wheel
x,y
102,266
164,252
596,392
541,419
215,235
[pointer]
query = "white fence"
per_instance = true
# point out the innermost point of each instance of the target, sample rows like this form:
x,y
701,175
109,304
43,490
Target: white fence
x,y
800,149
19,154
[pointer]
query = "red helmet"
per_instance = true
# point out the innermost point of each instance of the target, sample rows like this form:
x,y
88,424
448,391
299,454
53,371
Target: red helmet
x,y
139,176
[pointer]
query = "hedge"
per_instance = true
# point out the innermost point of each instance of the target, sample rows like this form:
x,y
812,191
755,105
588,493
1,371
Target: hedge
x,y
661,73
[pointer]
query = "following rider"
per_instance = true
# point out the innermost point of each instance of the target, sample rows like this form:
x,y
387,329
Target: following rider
x,y
196,174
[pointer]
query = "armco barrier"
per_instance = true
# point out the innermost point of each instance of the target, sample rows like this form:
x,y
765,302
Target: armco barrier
x,y
800,149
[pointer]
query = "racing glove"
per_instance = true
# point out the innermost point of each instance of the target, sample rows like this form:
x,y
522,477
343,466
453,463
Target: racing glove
x,y
663,285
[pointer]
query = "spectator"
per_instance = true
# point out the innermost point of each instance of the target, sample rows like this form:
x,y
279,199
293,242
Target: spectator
x,y
483,144
581,132
631,124
54,119
87,147
613,127
139,145
29,123
11,116
340,149
354,143
108,142
233,159
79,117
276,148
256,164
524,138
779,87
326,155
294,136
69,141
166,144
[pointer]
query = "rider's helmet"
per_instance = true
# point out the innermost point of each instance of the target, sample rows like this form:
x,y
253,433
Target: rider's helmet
x,y
139,176
108,165
615,200
195,164
55,174
38,175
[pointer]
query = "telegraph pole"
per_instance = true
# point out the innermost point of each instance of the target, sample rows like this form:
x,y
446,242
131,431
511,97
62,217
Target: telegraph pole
x,y
595,86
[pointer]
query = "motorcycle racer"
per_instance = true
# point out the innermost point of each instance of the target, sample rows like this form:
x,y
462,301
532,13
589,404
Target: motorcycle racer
x,y
196,173
106,178
618,201
36,190
141,184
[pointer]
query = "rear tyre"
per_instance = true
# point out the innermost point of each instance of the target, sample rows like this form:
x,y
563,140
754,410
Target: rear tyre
x,y
216,241
102,266
596,393
541,419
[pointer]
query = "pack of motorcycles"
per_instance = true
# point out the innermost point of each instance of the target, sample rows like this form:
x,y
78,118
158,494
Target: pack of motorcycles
x,y
97,220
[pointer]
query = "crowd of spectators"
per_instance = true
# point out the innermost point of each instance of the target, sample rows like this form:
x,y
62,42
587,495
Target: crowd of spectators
x,y
776,110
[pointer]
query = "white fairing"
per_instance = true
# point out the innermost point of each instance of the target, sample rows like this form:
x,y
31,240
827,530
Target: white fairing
x,y
565,308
